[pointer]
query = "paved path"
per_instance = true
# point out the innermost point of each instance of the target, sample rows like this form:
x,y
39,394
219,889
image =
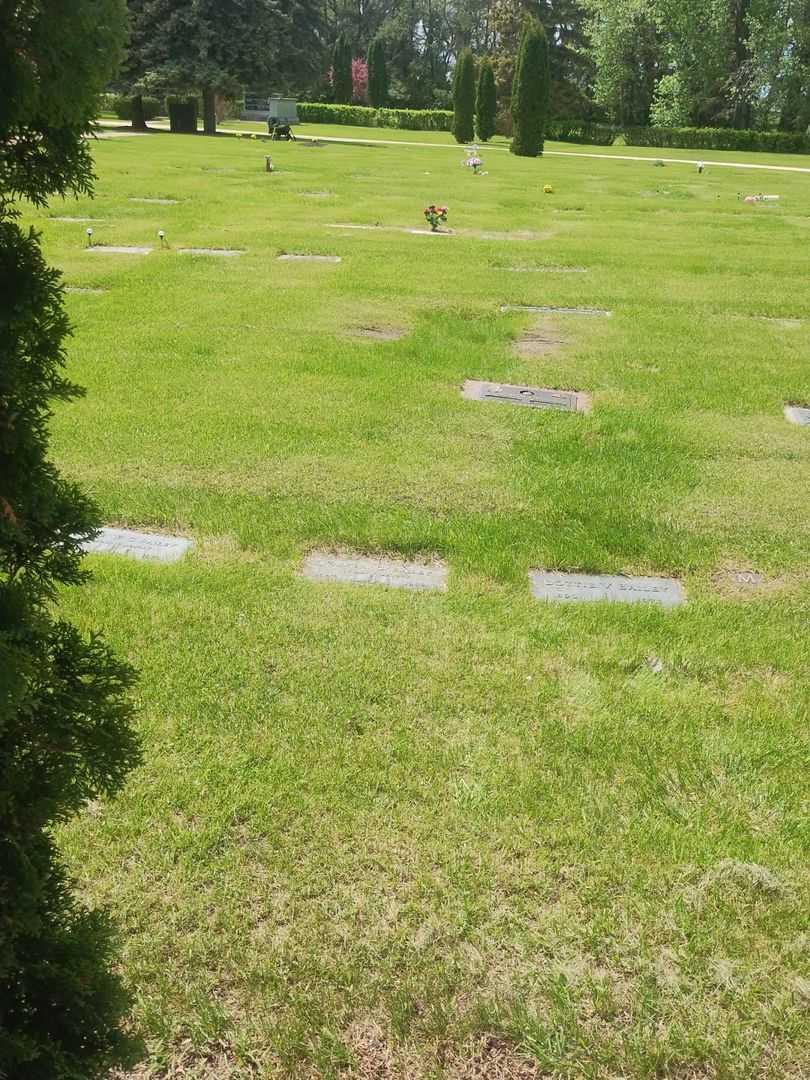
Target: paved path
x,y
162,126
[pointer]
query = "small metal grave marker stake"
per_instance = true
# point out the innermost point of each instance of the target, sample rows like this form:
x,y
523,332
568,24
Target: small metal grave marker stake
x,y
549,585
139,545
534,396
796,414
365,570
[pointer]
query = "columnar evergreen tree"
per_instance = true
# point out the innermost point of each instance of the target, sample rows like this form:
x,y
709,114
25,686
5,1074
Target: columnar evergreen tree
x,y
486,104
377,74
464,98
64,714
530,91
342,70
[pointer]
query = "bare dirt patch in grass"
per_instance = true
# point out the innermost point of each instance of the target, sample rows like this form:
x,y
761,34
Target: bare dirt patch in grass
x,y
377,333
542,339
214,1061
493,1058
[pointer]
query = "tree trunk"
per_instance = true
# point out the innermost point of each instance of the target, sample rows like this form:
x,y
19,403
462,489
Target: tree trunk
x,y
138,118
742,115
209,111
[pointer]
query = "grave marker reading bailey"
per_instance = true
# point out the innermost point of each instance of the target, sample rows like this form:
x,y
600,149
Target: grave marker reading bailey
x,y
548,585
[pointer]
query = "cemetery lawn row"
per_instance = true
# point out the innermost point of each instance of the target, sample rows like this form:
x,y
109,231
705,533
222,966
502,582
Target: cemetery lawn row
x,y
373,824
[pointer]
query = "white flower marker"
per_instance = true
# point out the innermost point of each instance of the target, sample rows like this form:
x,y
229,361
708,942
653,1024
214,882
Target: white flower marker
x,y
89,232
162,236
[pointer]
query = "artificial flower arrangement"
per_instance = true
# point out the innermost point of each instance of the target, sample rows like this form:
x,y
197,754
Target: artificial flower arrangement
x,y
435,216
474,162
549,190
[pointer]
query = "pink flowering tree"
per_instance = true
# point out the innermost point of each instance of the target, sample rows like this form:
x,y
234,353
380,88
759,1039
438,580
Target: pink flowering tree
x,y
359,81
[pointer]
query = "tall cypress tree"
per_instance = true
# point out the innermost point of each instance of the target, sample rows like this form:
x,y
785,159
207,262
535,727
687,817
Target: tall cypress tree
x,y
377,74
485,102
464,98
530,91
342,70
65,735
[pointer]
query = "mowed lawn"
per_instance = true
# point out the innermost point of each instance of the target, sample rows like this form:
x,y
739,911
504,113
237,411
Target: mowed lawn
x,y
464,834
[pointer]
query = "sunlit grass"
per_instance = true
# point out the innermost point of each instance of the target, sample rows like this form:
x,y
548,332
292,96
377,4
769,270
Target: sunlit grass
x,y
582,828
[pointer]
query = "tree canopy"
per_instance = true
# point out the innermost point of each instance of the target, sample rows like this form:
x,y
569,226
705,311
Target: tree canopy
x,y
209,47
719,62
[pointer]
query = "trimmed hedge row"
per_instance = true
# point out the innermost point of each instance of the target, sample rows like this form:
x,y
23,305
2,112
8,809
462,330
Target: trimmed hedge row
x,y
688,138
581,131
122,107
362,116
574,131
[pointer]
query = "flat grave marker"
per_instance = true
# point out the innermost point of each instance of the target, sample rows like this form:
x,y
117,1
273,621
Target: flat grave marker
x,y
518,234
225,253
76,220
363,227
784,322
533,396
309,258
797,414
615,588
119,249
553,310
82,289
367,570
545,269
156,202
139,545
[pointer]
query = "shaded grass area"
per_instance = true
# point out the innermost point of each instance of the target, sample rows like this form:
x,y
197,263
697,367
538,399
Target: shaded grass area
x,y
579,830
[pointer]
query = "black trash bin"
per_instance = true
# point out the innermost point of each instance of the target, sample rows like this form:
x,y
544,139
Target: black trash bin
x,y
183,117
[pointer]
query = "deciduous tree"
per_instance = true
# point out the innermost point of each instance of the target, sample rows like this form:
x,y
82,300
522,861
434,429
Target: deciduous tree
x,y
213,47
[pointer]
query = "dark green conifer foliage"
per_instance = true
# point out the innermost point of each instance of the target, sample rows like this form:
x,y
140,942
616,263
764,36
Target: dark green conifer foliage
x,y
485,102
377,74
342,71
464,98
65,734
530,91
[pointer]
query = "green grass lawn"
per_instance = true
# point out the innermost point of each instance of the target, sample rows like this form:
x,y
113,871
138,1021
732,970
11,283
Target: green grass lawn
x,y
469,834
